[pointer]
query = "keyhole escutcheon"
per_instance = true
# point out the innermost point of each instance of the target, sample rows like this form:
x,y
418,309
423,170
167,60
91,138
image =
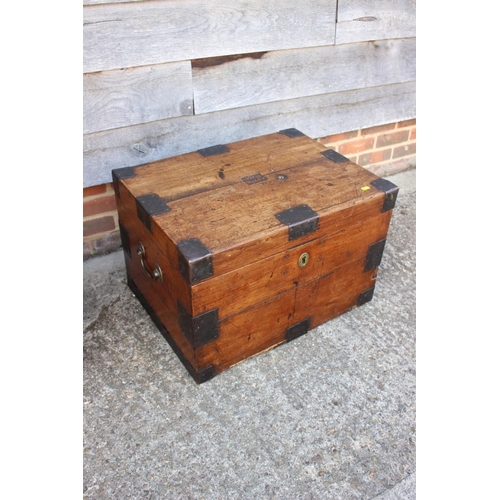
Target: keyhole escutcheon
x,y
303,259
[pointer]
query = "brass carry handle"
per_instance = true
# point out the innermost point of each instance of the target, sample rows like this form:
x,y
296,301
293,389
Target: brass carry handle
x,y
156,274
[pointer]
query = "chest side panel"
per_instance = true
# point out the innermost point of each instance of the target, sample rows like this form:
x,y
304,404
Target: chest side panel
x,y
163,296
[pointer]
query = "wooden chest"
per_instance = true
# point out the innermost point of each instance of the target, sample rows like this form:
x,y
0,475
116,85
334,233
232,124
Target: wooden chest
x,y
237,248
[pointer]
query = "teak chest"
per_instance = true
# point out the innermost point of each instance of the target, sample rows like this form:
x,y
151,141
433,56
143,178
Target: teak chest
x,y
237,248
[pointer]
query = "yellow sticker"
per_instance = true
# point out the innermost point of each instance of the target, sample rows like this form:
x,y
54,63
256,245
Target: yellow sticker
x,y
365,188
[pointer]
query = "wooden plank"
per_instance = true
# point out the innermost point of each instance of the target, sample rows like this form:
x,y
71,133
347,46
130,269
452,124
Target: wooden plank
x,y
315,116
120,98
97,2
361,20
290,74
143,33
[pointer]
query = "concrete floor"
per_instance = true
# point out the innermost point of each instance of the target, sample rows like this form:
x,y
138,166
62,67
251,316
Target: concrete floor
x,y
330,415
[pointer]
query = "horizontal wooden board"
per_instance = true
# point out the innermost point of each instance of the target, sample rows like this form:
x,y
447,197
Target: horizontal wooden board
x,y
361,20
142,33
96,2
120,98
289,74
316,116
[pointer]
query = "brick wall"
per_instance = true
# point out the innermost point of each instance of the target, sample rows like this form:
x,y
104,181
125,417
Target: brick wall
x,y
100,220
384,150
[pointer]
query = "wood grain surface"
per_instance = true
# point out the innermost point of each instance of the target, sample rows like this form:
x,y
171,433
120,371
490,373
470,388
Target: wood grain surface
x,y
119,98
316,116
278,273
361,20
236,221
122,35
291,74
257,288
264,326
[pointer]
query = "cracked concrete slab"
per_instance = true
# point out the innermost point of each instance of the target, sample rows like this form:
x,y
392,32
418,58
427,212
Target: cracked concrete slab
x,y
329,415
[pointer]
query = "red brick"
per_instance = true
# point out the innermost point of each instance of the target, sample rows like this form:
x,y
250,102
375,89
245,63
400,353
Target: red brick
x,y
99,205
413,134
378,129
394,138
94,190
407,150
353,147
331,139
374,157
99,225
407,123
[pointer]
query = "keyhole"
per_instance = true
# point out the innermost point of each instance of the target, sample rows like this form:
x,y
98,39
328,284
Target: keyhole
x,y
303,259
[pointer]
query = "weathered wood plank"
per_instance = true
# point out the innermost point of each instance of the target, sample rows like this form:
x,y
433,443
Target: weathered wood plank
x,y
143,33
290,74
362,20
120,98
316,116
96,2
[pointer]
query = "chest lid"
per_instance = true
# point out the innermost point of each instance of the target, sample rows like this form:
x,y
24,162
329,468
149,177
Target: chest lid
x,y
233,204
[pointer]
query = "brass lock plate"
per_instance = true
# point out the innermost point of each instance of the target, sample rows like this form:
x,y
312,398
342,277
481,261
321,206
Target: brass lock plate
x,y
303,259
